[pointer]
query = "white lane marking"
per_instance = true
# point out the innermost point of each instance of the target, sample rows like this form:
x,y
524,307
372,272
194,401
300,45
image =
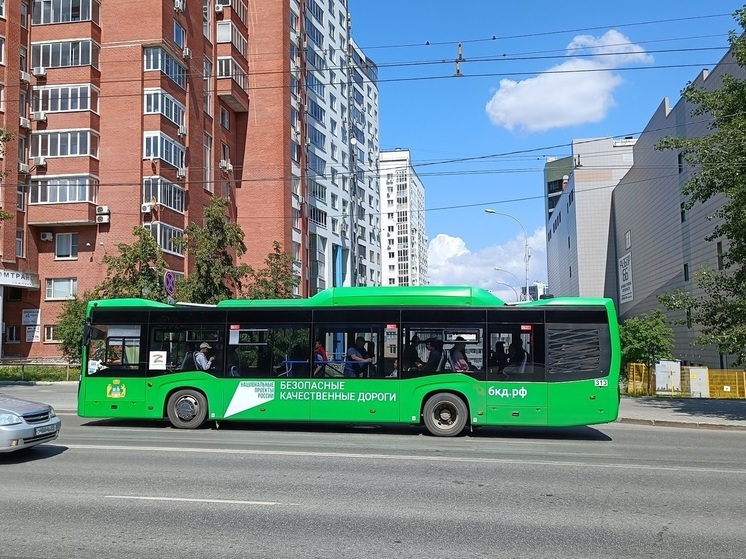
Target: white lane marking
x,y
184,500
407,457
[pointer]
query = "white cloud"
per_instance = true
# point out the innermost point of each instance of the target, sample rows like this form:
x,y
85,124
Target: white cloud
x,y
450,262
575,92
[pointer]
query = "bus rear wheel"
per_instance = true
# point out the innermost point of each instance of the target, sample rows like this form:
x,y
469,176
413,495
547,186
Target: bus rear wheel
x,y
445,415
187,409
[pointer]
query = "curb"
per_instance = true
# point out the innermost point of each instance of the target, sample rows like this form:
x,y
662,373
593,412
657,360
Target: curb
x,y
37,382
682,424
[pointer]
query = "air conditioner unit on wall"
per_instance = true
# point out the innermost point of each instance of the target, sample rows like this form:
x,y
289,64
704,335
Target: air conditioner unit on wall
x,y
39,71
23,168
46,236
39,116
218,8
103,218
102,210
187,53
146,208
181,172
179,5
24,122
39,161
25,77
182,130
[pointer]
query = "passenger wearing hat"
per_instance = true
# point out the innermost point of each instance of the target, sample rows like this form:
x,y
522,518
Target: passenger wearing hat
x,y
200,357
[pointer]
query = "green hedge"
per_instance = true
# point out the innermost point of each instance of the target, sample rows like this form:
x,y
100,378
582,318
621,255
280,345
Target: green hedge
x,y
49,373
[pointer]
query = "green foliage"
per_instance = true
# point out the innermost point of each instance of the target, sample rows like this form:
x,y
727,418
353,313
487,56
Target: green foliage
x,y
46,373
137,270
276,280
719,160
5,137
70,327
646,339
212,248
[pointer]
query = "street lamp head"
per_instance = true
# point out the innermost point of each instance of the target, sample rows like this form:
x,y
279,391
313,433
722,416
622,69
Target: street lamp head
x,y
490,211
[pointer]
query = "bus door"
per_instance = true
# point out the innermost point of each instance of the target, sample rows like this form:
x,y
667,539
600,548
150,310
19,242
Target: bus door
x,y
115,373
360,380
267,371
516,391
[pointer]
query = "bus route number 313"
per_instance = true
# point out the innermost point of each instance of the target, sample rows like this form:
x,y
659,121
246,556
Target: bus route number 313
x,y
602,382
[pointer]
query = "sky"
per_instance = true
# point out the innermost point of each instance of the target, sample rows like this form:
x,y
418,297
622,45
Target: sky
x,y
533,76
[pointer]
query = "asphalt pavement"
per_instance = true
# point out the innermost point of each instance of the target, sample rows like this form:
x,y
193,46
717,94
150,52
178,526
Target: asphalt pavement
x,y
703,413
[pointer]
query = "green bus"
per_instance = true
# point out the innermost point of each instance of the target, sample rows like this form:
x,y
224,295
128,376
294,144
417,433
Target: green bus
x,y
445,357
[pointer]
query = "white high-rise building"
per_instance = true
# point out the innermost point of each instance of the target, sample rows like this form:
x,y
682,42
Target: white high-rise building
x,y
404,240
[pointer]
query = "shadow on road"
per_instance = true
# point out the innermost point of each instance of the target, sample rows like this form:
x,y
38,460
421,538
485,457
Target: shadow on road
x,y
32,454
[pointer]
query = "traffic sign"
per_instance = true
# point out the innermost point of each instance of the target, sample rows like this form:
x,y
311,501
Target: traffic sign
x,y
169,282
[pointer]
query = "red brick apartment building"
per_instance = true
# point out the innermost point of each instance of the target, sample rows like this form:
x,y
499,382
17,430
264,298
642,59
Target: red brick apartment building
x,y
127,112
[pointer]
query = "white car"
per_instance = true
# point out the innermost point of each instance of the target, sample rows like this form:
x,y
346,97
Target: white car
x,y
24,424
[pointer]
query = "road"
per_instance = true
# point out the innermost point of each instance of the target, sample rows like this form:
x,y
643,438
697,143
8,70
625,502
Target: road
x,y
142,490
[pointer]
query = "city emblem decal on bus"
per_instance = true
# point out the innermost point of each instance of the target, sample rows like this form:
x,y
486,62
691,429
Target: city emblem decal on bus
x,y
250,394
116,389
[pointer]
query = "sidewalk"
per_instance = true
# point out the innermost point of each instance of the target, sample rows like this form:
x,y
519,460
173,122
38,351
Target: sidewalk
x,y
662,412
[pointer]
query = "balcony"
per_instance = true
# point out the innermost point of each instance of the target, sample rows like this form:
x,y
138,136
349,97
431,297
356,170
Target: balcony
x,y
232,94
67,214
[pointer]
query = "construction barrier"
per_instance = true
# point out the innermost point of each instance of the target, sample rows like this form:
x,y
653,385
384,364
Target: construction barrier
x,y
691,381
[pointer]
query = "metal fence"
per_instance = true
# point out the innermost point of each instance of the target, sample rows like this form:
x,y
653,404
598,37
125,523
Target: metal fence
x,y
719,383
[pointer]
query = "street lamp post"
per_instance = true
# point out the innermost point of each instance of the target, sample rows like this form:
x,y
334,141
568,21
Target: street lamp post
x,y
527,252
517,297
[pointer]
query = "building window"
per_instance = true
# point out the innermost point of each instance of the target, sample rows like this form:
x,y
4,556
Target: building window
x,y
55,11
24,18
159,146
66,246
2,8
64,54
179,35
686,272
2,50
50,334
227,32
225,118
207,85
158,101
164,192
206,20
680,160
20,197
63,189
65,98
157,59
19,243
229,68
720,255
70,143
207,146
13,334
628,239
61,288
683,212
166,236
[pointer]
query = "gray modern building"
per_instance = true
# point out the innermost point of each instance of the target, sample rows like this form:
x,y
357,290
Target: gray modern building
x,y
578,193
659,246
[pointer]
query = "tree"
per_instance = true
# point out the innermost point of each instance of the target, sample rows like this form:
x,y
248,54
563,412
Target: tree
x,y
5,137
137,270
646,339
275,281
70,327
719,160
213,248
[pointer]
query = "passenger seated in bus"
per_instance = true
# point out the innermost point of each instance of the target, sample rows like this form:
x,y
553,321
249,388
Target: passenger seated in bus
x,y
435,349
410,355
498,357
355,359
319,359
203,362
459,362
517,357
395,372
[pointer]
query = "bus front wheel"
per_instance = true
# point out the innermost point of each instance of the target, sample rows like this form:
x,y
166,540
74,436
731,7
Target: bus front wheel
x,y
187,409
445,415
